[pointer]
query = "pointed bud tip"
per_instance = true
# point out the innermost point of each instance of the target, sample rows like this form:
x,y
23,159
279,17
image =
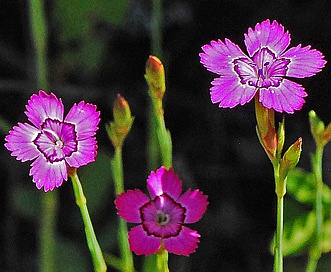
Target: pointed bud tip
x,y
154,63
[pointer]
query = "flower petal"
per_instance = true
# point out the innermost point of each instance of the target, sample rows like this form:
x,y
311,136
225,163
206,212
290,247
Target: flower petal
x,y
267,35
288,96
20,142
183,244
85,118
129,203
218,56
86,153
195,203
304,62
141,243
42,106
229,92
164,181
48,175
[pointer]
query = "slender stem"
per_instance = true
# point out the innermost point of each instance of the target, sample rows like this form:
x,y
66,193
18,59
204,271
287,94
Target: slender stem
x,y
316,249
280,191
312,264
97,257
163,134
153,148
39,36
279,235
47,233
117,169
156,29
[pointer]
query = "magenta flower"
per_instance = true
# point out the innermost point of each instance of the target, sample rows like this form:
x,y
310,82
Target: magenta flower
x,y
162,218
266,71
52,142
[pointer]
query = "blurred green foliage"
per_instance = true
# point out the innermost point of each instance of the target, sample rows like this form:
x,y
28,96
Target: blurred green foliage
x,y
77,23
300,223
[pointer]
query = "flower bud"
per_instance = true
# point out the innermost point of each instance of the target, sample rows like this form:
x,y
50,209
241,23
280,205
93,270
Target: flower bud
x,y
120,127
290,158
321,134
266,129
155,77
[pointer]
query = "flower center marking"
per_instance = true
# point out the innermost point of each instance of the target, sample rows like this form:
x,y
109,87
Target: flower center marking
x,y
263,70
56,140
162,218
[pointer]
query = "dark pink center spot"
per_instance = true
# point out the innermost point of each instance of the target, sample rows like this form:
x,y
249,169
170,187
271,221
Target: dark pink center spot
x,y
56,140
162,216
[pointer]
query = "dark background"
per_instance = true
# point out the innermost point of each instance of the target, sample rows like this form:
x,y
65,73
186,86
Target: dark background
x,y
215,150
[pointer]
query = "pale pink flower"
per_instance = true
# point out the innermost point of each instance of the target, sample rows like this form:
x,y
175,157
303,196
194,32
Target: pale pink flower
x,y
267,70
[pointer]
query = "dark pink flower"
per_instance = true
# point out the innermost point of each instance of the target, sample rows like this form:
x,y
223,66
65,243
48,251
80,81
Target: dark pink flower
x,y
266,71
52,142
161,219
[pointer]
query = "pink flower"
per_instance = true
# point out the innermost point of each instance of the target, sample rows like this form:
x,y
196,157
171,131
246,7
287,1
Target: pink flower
x,y
161,219
52,142
266,71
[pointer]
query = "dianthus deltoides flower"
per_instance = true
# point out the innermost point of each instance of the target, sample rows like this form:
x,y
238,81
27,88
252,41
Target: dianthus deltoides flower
x,y
266,71
53,142
161,218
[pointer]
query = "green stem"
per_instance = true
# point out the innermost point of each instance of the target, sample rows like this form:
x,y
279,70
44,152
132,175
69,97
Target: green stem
x,y
39,36
117,169
163,134
280,191
93,245
156,29
162,261
316,250
312,263
153,148
47,233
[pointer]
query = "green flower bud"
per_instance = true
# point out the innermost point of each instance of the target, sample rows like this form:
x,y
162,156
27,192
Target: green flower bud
x,y
155,77
120,127
290,158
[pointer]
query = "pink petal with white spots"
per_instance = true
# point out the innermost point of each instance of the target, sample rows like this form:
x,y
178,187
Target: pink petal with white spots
x,y
129,203
267,35
183,244
85,118
229,92
20,142
304,62
48,175
287,97
86,153
195,203
218,56
141,243
42,106
164,181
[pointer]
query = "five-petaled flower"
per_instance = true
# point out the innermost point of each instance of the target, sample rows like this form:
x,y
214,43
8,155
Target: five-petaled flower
x,y
53,142
266,71
161,218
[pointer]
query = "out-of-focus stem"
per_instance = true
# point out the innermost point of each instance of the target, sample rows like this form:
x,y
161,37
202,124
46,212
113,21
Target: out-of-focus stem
x,y
47,240
315,252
